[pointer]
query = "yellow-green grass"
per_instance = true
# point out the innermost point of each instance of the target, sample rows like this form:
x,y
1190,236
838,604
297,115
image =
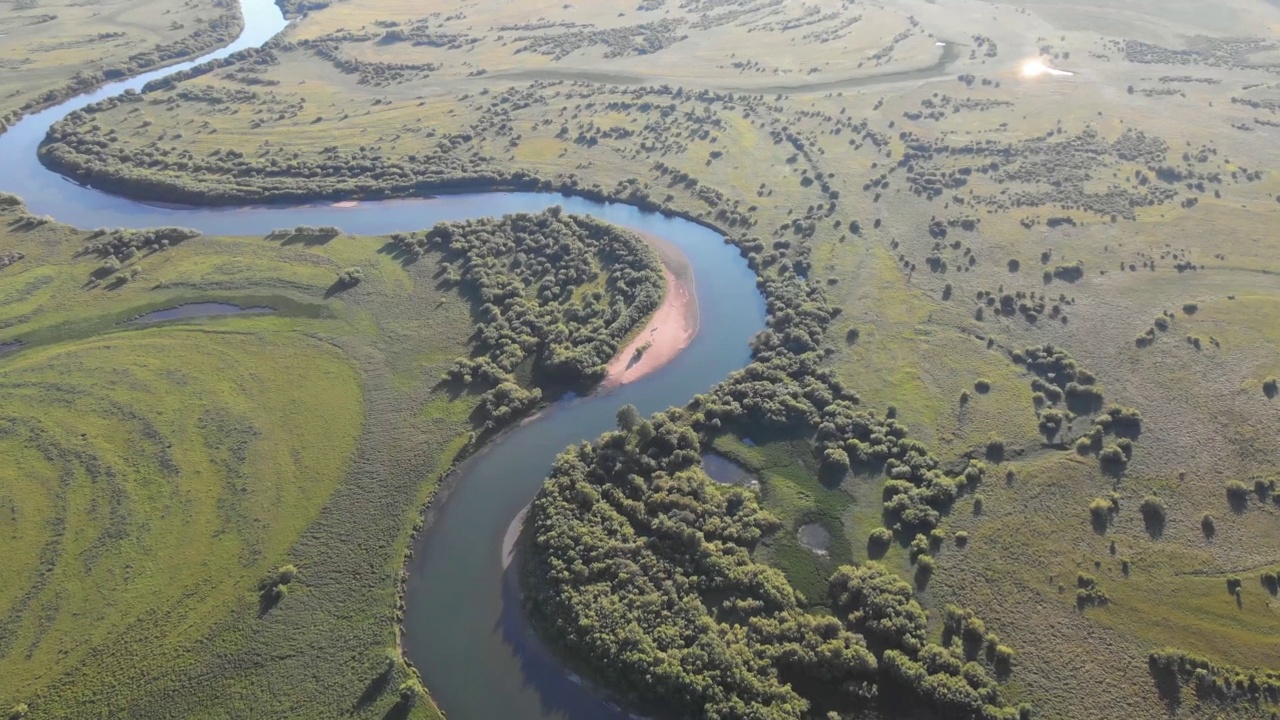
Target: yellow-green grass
x,y
158,474
155,474
921,355
44,44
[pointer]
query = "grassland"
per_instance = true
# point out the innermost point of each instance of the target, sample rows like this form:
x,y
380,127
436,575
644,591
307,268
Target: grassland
x,y
51,49
910,283
157,474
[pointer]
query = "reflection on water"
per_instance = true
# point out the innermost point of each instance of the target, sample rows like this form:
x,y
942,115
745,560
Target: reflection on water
x,y
193,310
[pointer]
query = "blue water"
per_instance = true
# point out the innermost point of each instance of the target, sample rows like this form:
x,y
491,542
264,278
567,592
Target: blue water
x,y
465,634
198,309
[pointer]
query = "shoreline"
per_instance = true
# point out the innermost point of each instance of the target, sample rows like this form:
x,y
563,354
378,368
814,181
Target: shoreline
x,y
669,330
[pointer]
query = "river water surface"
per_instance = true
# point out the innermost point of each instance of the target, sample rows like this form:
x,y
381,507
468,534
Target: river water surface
x,y
467,637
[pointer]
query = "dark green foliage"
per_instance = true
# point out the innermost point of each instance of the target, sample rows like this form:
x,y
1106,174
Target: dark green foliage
x,y
524,272
880,606
1101,510
1223,683
1123,421
632,547
628,417
275,588
918,490
1207,526
120,246
350,277
1154,513
1271,581
1113,457
1069,273
1051,421
1271,387
18,712
1237,494
1088,594
505,403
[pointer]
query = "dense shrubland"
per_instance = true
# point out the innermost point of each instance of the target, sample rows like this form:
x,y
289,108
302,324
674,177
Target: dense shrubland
x,y
558,291
641,568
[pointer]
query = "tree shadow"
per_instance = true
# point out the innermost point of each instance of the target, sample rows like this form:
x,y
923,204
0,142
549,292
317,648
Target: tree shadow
x,y
373,690
403,256
877,550
832,477
922,577
1101,522
1271,584
1153,522
338,287
306,240
399,711
1238,502
268,599
1168,686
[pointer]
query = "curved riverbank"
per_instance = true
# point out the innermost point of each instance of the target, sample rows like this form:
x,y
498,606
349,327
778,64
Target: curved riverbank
x,y
473,651
671,327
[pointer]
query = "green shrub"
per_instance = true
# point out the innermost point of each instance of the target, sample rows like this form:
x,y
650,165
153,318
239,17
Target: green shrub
x,y
880,537
351,277
983,385
1004,655
962,539
1113,456
1154,510
1237,493
1271,387
1271,581
411,693
919,547
285,574
19,711
1100,510
1207,525
1190,308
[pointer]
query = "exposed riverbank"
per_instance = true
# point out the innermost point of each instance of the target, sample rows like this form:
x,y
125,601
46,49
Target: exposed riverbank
x,y
671,327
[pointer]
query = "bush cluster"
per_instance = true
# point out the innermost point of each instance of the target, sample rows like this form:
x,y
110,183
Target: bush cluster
x,y
527,274
1223,683
641,567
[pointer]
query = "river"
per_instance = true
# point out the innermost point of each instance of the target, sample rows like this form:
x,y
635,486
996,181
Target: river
x,y
466,636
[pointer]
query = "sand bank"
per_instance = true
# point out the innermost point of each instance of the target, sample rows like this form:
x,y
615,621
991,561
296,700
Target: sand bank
x,y
670,330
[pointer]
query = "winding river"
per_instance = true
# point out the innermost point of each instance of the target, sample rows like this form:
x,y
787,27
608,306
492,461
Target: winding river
x,y
464,626
465,635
